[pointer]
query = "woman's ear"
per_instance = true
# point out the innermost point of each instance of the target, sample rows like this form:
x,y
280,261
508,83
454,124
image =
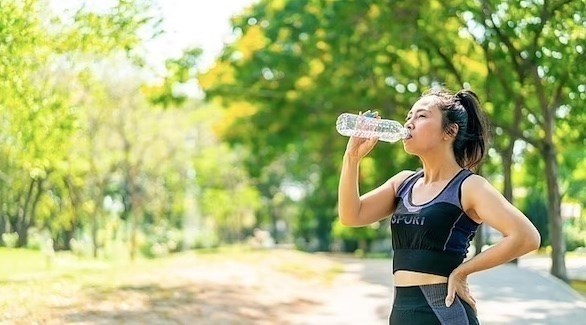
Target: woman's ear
x,y
452,131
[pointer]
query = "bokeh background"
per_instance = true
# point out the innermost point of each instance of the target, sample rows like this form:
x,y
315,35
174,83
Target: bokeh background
x,y
134,131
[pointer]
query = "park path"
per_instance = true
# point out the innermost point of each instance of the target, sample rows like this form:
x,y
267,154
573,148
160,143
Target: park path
x,y
506,295
361,294
277,287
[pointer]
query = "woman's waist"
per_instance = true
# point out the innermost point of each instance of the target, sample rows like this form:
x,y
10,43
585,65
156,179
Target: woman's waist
x,y
424,261
405,278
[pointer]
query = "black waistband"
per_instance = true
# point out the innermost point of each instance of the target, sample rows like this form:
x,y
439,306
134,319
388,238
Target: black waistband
x,y
426,261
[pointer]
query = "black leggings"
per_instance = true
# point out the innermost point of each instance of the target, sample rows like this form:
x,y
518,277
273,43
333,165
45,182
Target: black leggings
x,y
424,305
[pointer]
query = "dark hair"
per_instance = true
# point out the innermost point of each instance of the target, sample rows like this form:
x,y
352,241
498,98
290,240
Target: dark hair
x,y
463,109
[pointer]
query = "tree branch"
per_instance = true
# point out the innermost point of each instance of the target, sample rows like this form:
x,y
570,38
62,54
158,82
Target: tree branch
x,y
557,97
513,52
519,135
448,62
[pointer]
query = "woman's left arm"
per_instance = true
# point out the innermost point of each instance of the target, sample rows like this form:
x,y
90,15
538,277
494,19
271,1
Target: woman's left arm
x,y
483,203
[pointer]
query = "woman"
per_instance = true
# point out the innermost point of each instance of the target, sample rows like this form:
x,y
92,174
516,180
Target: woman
x,y
436,211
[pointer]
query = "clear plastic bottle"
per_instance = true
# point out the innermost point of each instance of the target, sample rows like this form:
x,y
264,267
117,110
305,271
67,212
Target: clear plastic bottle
x,y
364,126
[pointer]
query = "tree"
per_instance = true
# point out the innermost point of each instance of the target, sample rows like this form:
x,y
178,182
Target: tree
x,y
40,114
302,63
537,42
296,67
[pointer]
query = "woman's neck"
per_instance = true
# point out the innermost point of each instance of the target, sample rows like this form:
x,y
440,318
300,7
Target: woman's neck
x,y
438,170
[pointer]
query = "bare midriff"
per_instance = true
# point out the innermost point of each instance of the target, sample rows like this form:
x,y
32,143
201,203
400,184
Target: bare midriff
x,y
411,278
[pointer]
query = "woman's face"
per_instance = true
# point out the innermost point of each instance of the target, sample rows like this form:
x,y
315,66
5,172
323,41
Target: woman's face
x,y
424,122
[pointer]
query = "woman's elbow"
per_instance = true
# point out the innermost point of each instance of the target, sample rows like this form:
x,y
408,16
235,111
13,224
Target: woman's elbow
x,y
535,240
347,221
531,240
348,217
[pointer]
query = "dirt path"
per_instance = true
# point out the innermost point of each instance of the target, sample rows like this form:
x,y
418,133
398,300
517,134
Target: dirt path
x,y
281,287
360,295
271,287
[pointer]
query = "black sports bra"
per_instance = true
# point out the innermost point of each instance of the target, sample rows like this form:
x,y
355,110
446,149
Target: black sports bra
x,y
432,237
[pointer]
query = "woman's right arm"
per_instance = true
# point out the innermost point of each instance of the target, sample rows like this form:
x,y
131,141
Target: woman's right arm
x,y
355,210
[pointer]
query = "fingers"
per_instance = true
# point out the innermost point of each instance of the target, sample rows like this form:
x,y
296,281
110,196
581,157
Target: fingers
x,y
372,142
451,295
368,113
366,124
361,143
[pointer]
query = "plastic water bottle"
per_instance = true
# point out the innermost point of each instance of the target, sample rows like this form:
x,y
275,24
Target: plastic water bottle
x,y
364,126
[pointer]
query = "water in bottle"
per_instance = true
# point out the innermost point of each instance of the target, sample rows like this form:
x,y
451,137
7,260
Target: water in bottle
x,y
364,126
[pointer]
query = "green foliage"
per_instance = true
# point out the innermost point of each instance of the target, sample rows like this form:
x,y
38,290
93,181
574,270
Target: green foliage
x,y
535,209
575,230
299,70
10,239
227,199
42,110
575,237
297,65
180,71
88,161
160,240
355,238
88,153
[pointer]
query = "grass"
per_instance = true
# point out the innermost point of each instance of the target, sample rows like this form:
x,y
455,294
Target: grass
x,y
36,289
29,281
579,285
312,269
299,264
20,261
34,271
576,284
33,265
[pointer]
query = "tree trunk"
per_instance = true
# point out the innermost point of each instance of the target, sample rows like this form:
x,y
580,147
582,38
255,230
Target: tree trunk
x,y
548,150
479,240
22,217
363,246
33,212
135,217
274,221
558,245
507,174
133,235
133,224
67,236
75,202
3,215
2,227
94,231
508,177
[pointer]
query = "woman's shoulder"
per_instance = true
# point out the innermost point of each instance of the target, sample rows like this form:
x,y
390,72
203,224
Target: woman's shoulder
x,y
403,175
477,186
475,180
400,177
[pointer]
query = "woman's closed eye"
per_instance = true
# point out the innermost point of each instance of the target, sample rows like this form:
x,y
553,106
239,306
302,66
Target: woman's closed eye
x,y
417,116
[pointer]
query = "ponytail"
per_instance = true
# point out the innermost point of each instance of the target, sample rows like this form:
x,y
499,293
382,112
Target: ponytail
x,y
471,143
471,134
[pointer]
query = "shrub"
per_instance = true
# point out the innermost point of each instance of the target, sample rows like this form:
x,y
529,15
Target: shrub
x,y
10,239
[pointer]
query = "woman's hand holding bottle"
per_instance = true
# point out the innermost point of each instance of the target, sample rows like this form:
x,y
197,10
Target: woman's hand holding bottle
x,y
357,148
